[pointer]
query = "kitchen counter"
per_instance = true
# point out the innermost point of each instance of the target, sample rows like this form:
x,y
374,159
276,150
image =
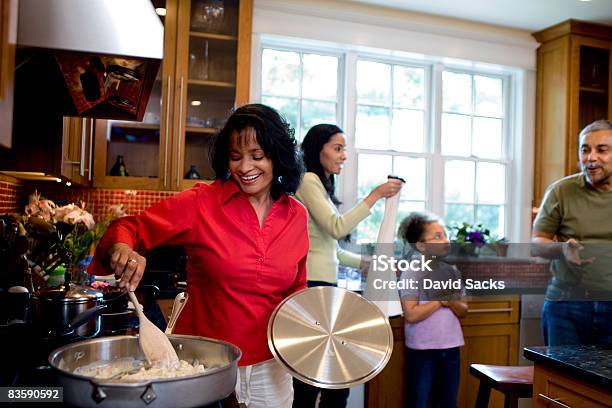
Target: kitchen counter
x,y
591,364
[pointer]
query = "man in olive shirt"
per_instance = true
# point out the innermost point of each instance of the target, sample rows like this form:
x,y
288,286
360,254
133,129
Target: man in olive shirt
x,y
574,229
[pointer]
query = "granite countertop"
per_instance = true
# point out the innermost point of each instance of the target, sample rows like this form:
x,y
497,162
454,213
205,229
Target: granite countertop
x,y
590,363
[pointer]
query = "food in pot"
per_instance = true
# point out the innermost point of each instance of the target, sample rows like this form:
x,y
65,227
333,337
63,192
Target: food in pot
x,y
129,369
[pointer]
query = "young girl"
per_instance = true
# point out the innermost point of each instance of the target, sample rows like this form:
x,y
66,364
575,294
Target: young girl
x,y
432,329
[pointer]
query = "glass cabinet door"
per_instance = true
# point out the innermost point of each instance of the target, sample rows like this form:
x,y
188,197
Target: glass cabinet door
x,y
138,153
206,71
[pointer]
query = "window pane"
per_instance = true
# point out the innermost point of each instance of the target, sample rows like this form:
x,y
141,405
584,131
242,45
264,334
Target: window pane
x,y
458,213
487,138
488,96
317,112
491,217
280,73
320,80
459,181
408,87
406,207
288,107
372,128
456,134
490,183
413,170
407,130
373,170
457,92
373,83
367,230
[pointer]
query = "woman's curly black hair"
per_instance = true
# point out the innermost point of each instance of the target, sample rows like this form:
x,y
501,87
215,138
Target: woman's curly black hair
x,y
274,136
312,145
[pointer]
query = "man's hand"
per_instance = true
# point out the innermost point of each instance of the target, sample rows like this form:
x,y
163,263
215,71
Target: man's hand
x,y
571,251
127,264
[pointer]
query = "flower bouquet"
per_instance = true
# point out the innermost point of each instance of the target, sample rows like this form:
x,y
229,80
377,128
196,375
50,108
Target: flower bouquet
x,y
64,234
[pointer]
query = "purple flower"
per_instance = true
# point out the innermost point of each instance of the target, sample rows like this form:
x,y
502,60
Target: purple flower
x,y
476,238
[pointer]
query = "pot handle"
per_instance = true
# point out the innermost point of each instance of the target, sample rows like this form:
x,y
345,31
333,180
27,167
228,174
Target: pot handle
x,y
81,319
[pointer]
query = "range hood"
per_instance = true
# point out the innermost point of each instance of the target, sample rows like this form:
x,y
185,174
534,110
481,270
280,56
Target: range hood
x,y
105,53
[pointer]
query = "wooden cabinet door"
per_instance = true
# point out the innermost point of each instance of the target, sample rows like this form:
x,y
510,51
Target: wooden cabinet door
x,y
574,72
388,388
486,344
589,90
145,146
8,41
553,389
77,150
212,76
491,337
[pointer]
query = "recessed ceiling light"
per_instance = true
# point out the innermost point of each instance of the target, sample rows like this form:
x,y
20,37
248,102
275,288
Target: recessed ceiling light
x,y
68,183
584,0
161,11
196,103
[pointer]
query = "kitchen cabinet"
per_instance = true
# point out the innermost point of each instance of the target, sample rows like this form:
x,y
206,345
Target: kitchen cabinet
x,y
388,388
552,388
77,150
490,330
204,74
8,41
573,89
577,376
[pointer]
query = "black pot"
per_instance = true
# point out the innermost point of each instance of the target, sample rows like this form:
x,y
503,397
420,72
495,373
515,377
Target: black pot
x,y
71,311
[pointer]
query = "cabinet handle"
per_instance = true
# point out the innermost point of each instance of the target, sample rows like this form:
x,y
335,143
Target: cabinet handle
x,y
166,131
494,310
556,401
83,146
91,143
180,135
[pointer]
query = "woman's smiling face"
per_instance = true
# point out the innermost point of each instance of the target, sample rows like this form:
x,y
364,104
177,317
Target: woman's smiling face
x,y
248,164
333,154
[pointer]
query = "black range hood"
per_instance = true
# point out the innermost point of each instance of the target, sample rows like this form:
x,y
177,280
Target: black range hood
x,y
102,56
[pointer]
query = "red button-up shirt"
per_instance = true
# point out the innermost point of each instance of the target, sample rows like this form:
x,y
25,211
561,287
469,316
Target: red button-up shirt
x,y
237,271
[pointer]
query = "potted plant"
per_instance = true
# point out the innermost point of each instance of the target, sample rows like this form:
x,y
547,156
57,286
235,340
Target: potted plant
x,y
468,238
501,247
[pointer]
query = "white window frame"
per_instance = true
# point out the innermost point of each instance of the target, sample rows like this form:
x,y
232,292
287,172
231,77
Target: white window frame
x,y
517,120
427,145
507,138
271,45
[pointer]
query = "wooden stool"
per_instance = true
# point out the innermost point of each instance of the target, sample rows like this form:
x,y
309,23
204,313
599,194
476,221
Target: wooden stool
x,y
513,381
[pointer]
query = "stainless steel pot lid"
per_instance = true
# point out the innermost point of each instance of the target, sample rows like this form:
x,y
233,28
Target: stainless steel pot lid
x,y
70,294
330,337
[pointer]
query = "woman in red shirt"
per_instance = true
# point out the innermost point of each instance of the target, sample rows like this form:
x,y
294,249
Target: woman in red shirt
x,y
246,239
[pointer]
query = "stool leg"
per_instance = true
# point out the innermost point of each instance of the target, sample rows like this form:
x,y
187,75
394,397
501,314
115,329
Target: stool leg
x,y
510,401
484,392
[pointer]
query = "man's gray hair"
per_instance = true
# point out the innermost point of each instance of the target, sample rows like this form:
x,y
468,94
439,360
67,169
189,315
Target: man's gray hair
x,y
601,124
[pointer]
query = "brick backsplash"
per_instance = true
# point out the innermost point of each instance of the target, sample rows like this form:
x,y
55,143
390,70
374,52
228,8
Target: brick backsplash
x,y
10,197
134,201
97,200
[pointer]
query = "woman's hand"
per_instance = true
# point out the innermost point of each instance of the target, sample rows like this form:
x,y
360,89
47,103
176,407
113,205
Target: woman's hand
x,y
127,264
385,190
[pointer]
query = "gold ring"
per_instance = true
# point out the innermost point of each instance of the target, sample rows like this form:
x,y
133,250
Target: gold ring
x,y
132,260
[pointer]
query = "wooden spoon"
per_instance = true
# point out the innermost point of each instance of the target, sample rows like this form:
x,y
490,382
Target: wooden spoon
x,y
154,343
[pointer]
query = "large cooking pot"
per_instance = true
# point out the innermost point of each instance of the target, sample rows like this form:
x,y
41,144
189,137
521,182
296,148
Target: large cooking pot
x,y
67,311
184,392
